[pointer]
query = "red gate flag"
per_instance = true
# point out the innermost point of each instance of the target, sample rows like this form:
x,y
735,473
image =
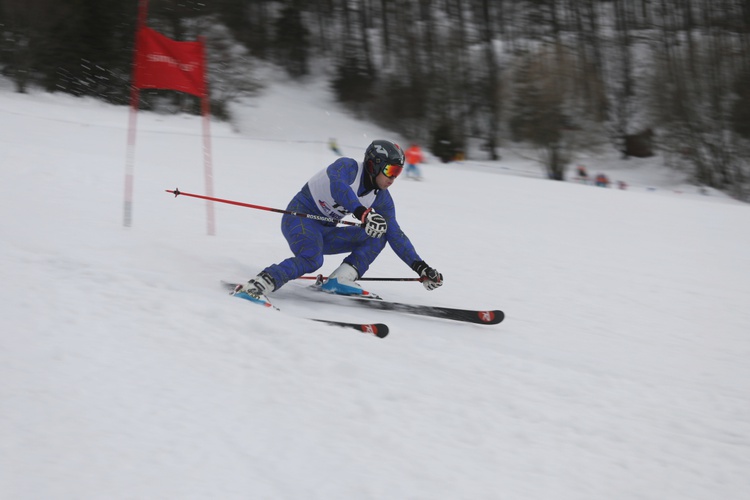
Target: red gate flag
x,y
163,63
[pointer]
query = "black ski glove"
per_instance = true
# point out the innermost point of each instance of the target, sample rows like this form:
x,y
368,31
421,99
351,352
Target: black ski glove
x,y
431,278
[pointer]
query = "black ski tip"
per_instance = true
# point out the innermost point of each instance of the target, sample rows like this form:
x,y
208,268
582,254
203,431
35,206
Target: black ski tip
x,y
380,330
490,317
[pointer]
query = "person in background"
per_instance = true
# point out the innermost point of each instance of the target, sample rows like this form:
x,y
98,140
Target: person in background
x,y
414,157
583,176
345,187
333,145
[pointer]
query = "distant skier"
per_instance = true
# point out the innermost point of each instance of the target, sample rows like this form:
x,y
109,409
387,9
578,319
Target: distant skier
x,y
333,145
583,175
346,186
414,157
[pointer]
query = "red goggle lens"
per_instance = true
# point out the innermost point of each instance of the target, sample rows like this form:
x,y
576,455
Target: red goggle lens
x,y
392,171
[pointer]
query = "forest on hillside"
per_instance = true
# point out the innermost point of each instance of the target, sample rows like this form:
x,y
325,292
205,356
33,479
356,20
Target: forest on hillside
x,y
639,76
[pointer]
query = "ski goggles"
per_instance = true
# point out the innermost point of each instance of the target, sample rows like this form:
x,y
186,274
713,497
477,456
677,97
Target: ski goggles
x,y
392,170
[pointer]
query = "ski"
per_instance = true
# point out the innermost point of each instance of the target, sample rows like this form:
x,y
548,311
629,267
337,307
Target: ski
x,y
380,330
488,317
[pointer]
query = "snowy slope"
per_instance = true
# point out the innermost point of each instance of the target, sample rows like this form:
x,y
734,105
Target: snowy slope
x,y
620,371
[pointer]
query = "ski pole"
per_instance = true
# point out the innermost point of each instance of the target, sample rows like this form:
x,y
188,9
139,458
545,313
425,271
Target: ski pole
x,y
363,279
321,218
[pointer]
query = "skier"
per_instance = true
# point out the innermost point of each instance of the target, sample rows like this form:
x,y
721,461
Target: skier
x,y
413,158
334,146
346,186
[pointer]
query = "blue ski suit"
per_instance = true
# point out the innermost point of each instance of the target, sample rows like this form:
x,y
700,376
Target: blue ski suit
x,y
346,186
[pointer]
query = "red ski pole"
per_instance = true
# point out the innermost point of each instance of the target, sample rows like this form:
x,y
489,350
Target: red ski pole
x,y
176,192
363,279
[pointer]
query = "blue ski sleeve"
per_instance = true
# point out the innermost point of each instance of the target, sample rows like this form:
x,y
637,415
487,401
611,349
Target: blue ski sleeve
x,y
396,237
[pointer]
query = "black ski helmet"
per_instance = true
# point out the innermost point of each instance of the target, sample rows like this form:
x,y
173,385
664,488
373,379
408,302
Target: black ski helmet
x,y
381,153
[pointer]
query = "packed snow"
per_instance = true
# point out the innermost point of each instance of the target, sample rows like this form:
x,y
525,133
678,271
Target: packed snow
x,y
621,370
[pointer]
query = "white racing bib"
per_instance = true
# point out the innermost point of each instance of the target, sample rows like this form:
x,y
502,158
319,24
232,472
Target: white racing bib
x,y
320,189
